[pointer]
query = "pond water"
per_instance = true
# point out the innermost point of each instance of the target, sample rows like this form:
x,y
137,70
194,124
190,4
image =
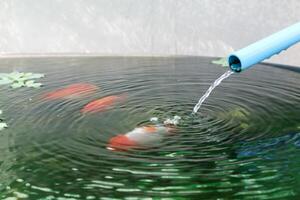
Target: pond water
x,y
244,143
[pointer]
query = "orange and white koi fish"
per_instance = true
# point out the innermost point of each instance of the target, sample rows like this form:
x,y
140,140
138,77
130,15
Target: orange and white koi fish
x,y
141,137
102,104
71,91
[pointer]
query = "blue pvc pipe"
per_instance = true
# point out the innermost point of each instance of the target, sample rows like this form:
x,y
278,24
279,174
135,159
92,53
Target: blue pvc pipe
x,y
265,48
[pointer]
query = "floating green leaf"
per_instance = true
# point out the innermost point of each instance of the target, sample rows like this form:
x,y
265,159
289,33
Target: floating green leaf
x,y
33,84
18,79
5,81
17,85
221,61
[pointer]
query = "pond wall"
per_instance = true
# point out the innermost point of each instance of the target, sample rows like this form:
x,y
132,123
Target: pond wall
x,y
143,27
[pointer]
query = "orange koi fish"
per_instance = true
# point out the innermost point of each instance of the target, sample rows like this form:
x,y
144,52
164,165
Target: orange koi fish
x,y
71,91
102,104
141,137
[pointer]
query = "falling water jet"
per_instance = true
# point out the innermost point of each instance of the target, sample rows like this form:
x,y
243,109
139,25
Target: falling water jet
x,y
210,89
255,53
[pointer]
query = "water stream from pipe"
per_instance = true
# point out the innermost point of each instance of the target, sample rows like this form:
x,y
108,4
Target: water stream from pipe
x,y
210,89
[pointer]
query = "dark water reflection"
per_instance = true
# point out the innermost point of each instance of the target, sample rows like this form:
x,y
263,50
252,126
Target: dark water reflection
x,y
244,143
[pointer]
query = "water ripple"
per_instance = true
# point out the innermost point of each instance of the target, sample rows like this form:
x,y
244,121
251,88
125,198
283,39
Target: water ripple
x,y
243,144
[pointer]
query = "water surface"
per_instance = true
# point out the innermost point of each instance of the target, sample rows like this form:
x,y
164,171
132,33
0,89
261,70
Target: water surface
x,y
243,144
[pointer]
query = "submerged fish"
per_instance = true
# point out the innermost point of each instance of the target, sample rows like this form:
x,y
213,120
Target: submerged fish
x,y
71,91
141,137
102,104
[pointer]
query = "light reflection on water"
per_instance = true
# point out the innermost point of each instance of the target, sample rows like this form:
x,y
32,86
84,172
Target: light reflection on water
x,y
243,144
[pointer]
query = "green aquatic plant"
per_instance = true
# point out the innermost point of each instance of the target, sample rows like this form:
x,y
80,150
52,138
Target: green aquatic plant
x,y
221,61
3,125
238,115
18,79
